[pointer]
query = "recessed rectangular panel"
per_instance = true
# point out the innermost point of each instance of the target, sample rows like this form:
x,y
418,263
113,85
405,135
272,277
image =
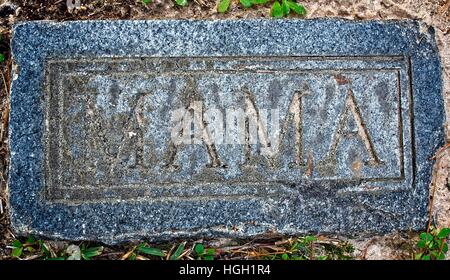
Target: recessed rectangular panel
x,y
110,122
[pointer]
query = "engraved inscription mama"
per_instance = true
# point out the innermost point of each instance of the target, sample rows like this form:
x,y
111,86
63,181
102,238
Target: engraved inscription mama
x,y
146,123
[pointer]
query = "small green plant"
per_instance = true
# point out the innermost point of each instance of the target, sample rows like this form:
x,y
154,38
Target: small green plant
x,y
278,9
151,251
87,253
181,2
137,252
337,252
300,249
204,254
285,8
178,2
18,248
39,249
310,248
32,246
304,248
223,6
177,254
433,244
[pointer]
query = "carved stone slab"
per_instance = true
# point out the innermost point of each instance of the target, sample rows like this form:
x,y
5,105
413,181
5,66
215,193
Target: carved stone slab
x,y
160,129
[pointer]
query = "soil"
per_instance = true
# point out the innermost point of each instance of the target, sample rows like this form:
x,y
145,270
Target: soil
x,y
435,13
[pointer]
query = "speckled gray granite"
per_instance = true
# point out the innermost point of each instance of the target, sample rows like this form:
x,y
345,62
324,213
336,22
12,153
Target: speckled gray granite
x,y
358,107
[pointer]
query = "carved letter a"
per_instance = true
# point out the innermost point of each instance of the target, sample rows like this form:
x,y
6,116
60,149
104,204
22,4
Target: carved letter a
x,y
350,110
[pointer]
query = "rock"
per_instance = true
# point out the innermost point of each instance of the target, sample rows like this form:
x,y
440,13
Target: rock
x,y
7,9
125,130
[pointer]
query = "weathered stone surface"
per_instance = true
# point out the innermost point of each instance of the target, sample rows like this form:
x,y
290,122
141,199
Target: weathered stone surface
x,y
94,104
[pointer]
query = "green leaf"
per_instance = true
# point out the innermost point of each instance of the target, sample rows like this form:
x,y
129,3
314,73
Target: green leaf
x,y
181,2
310,239
246,3
285,257
441,256
444,233
223,6
199,249
277,11
151,251
146,1
56,259
17,244
295,246
28,249
445,248
426,258
209,258
88,253
258,2
44,247
421,244
132,257
211,251
17,252
298,9
426,236
285,7
178,251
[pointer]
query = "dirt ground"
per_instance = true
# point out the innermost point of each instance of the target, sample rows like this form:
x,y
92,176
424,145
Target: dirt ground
x,y
434,13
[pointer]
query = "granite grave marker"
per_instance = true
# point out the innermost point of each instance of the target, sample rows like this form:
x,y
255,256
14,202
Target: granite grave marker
x,y
159,129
